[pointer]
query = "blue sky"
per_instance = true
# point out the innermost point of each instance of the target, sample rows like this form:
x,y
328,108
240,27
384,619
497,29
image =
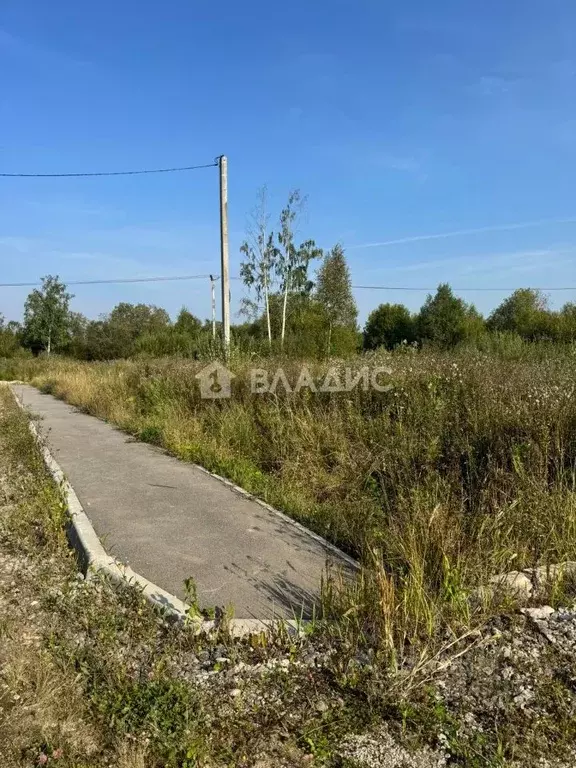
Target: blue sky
x,y
445,133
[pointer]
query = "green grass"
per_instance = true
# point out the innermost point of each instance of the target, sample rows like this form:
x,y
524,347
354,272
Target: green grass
x,y
105,683
466,468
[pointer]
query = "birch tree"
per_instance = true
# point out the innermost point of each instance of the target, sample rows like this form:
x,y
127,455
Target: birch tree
x,y
47,315
292,262
257,271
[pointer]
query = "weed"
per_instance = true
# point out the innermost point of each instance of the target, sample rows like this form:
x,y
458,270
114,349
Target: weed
x,y
151,434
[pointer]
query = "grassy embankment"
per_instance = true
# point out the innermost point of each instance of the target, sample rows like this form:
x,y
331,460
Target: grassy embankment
x,y
465,469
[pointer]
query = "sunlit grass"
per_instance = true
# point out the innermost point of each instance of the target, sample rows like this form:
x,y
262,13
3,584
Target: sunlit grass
x,y
466,468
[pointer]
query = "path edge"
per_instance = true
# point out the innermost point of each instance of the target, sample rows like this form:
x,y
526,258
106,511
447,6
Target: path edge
x,y
327,545
94,559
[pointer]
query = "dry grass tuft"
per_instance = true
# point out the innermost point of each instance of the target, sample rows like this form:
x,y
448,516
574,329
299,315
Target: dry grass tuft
x,y
43,709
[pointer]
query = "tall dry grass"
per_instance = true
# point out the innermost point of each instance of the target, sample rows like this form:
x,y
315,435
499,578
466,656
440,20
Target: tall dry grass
x,y
464,469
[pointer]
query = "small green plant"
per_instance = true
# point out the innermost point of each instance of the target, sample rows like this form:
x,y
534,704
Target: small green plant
x,y
191,592
158,707
151,434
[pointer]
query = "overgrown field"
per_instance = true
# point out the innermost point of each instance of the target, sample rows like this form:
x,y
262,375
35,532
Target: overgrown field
x,y
91,676
464,469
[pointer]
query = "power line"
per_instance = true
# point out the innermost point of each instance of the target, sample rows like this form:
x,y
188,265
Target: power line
x,y
112,281
431,290
107,173
168,278
463,290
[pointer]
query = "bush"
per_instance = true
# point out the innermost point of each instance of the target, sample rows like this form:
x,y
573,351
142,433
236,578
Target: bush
x,y
388,326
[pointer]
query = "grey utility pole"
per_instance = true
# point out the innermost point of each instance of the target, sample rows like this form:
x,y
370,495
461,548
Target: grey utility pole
x,y
213,291
224,271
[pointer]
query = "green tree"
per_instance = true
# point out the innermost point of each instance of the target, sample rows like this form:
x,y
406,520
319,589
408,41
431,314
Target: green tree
x,y
188,323
388,326
99,343
257,271
445,320
9,337
251,336
185,338
567,322
306,327
292,262
75,344
334,293
127,322
115,336
169,342
47,316
138,318
474,327
524,312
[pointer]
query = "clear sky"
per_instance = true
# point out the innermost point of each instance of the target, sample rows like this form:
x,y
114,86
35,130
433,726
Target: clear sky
x,y
427,128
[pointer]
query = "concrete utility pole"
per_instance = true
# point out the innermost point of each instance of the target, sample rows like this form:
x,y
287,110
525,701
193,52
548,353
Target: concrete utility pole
x,y
213,289
225,272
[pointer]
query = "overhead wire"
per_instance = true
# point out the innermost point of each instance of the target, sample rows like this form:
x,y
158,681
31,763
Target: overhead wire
x,y
463,290
175,278
108,173
112,281
197,277
410,288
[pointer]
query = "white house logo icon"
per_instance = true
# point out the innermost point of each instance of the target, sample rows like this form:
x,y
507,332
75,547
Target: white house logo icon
x,y
215,382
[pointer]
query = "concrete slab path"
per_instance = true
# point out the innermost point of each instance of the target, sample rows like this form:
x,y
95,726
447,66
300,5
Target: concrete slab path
x,y
170,520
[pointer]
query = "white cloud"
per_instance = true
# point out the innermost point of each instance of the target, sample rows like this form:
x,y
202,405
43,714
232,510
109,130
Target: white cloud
x,y
462,233
18,47
295,114
490,85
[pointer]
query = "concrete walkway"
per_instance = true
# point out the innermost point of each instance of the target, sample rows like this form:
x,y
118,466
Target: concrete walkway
x,y
169,520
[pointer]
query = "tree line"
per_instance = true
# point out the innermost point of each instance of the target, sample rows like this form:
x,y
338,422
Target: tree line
x,y
287,310
445,321
318,322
